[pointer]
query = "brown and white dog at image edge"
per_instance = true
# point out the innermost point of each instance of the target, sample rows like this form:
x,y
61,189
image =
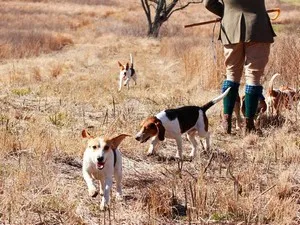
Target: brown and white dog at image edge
x,y
172,123
279,99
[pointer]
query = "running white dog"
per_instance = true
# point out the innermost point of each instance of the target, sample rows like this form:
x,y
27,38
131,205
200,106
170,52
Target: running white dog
x,y
101,160
126,74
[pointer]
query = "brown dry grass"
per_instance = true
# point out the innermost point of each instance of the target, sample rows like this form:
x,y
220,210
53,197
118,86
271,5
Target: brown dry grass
x,y
49,93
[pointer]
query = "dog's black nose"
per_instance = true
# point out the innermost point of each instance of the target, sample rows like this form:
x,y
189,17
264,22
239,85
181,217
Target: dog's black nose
x,y
100,159
137,138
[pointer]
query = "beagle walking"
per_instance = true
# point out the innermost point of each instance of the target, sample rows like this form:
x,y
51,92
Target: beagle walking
x,y
101,160
172,123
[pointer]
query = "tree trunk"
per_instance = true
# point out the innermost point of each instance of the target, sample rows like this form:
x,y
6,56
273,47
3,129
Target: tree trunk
x,y
163,11
153,30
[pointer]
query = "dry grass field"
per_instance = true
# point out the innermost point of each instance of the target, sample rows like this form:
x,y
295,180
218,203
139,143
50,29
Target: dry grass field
x,y
59,74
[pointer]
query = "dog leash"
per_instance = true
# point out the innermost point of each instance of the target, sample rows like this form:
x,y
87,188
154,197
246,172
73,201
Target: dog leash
x,y
277,10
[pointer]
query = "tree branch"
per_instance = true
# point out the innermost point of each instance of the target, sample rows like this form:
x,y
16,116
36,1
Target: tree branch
x,y
163,9
183,7
147,10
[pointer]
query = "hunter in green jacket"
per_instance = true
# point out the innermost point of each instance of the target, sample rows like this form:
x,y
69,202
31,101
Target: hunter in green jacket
x,y
246,34
242,20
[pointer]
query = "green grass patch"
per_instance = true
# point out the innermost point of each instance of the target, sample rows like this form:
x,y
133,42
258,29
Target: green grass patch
x,y
219,216
293,2
60,119
278,28
21,91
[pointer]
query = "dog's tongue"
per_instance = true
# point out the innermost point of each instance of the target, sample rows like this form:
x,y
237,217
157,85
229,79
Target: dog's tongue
x,y
100,165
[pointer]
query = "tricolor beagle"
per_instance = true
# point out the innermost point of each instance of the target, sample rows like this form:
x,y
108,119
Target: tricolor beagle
x,y
171,123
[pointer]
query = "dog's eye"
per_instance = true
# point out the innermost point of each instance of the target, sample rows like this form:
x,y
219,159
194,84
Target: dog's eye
x,y
152,126
95,146
106,147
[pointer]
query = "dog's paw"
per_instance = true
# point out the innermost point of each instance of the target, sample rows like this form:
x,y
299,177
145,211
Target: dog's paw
x,y
103,206
191,157
93,193
150,153
177,156
119,197
101,192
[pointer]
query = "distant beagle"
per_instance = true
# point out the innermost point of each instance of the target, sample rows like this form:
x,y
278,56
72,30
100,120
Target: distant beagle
x,y
126,73
172,123
279,99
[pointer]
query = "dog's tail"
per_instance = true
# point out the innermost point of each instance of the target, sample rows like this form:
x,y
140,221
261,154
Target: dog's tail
x,y
131,61
271,83
215,100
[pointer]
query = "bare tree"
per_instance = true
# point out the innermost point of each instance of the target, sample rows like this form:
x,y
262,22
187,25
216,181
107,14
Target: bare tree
x,y
163,11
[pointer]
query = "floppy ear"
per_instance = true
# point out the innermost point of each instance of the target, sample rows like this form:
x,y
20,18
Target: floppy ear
x,y
120,65
262,106
85,134
143,122
115,142
161,131
127,66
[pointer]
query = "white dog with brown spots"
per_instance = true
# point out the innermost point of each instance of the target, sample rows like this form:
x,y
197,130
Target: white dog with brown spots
x,y
102,159
280,99
172,123
126,74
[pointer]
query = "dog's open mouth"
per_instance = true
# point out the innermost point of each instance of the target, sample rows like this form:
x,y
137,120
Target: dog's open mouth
x,y
100,165
146,139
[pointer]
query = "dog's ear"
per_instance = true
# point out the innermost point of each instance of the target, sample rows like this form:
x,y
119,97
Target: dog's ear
x,y
161,131
262,105
115,142
85,134
120,65
143,122
127,66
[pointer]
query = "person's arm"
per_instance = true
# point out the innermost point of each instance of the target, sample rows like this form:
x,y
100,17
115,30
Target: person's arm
x,y
214,6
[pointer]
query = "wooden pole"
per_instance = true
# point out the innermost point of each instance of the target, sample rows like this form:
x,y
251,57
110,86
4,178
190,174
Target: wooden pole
x,y
219,19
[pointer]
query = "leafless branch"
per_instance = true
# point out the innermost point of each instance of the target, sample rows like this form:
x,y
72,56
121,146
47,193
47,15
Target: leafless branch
x,y
183,7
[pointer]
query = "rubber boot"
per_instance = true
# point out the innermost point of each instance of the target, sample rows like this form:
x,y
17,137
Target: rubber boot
x,y
226,123
228,103
250,127
252,95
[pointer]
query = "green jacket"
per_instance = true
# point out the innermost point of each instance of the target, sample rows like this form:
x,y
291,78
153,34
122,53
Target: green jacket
x,y
242,20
